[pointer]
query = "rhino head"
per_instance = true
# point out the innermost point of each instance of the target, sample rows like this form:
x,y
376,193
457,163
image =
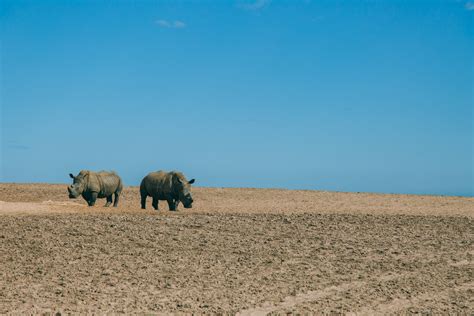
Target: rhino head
x,y
184,192
79,184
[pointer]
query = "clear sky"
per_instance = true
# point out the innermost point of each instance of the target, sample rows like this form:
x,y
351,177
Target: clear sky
x,y
330,95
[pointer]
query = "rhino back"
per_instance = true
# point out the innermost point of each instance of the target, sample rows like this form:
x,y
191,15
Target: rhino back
x,y
158,184
110,183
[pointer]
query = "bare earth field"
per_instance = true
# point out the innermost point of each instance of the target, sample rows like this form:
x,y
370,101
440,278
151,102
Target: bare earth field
x,y
246,251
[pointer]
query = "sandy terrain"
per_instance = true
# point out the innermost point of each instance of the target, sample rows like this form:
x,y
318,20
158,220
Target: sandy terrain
x,y
246,251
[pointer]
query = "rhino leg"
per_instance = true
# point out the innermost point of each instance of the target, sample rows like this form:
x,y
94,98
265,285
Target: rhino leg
x,y
116,200
154,203
109,201
143,201
171,204
92,199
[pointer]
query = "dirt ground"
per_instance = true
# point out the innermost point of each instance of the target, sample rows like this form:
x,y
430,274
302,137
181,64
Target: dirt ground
x,y
239,251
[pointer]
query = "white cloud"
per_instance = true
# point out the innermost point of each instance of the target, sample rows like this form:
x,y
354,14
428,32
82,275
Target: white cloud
x,y
163,23
255,5
179,24
469,6
171,24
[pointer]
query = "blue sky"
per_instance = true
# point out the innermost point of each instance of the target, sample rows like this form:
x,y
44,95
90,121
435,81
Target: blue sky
x,y
330,95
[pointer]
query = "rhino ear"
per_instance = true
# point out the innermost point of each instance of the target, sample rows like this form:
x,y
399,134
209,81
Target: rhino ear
x,y
191,181
71,175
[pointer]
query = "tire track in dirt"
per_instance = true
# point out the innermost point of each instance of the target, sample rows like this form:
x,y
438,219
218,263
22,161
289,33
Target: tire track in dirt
x,y
398,305
290,302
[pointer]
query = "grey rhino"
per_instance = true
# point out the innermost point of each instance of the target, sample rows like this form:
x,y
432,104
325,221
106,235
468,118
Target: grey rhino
x,y
170,186
92,185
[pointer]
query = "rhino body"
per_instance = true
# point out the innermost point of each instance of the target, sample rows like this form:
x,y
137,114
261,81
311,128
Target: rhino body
x,y
170,186
92,185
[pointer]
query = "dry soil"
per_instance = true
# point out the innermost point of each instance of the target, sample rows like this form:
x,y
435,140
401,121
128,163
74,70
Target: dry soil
x,y
238,251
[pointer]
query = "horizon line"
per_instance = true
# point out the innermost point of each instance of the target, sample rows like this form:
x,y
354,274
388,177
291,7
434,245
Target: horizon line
x,y
279,189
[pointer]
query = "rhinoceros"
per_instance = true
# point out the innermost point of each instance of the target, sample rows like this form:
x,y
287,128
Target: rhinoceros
x,y
170,186
92,185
